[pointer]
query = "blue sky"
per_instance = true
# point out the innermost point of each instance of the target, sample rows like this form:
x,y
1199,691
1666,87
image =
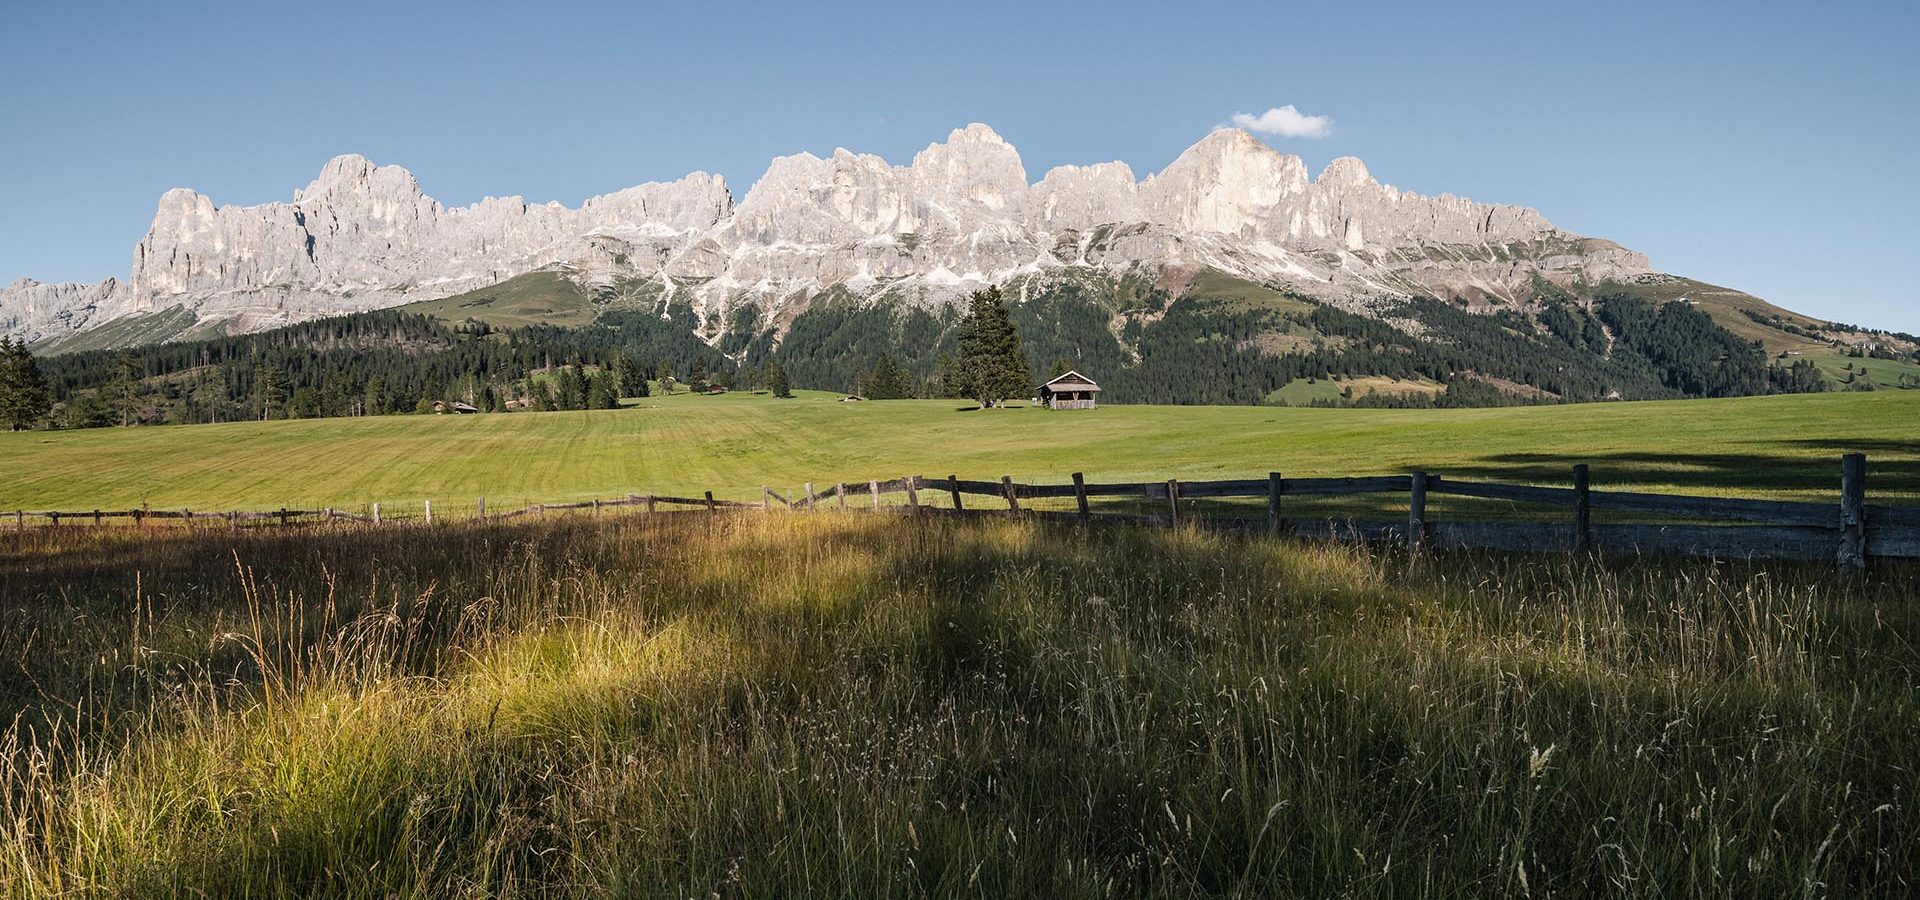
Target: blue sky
x,y
1771,150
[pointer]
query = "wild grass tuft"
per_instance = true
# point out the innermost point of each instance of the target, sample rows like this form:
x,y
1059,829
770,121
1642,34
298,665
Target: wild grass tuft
x,y
859,706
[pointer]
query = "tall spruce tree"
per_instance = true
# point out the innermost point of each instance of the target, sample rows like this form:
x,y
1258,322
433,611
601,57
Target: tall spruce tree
x,y
567,388
777,380
270,389
23,390
128,388
631,382
887,381
991,366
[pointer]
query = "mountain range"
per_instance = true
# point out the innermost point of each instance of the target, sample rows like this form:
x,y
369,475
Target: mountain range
x,y
854,230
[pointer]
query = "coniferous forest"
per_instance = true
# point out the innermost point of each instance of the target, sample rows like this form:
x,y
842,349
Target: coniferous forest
x,y
1208,346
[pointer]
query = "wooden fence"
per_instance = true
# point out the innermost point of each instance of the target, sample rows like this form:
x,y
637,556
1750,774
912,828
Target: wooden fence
x,y
1847,531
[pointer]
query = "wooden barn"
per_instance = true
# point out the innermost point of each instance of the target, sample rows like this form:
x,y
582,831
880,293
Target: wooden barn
x,y
1070,391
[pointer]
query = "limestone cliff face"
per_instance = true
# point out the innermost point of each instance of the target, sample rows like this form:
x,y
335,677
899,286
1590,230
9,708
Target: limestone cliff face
x,y
962,214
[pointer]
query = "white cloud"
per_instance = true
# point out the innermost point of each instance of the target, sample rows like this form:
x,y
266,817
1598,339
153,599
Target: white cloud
x,y
1285,121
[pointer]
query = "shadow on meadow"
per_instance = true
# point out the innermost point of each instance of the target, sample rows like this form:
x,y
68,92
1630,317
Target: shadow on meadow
x,y
1893,468
853,705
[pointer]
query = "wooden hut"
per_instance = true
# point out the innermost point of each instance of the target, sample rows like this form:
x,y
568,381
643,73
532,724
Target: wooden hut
x,y
1070,391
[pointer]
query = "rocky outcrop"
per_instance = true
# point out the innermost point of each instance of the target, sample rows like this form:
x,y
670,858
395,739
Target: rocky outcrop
x,y
960,215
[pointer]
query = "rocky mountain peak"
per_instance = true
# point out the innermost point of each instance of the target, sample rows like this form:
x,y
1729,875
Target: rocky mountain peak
x,y
961,214
1347,171
350,176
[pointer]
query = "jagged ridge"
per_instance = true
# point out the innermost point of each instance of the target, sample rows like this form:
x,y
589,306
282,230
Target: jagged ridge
x,y
961,215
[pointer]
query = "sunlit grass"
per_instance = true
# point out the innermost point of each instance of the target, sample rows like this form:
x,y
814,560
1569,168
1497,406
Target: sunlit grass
x,y
1786,447
859,705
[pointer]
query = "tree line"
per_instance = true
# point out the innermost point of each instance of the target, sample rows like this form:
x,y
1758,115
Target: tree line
x,y
1143,347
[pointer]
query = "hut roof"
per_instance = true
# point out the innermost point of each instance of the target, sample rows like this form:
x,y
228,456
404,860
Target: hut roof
x,y
1071,381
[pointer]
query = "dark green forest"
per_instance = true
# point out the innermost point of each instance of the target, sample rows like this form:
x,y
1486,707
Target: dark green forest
x,y
1217,344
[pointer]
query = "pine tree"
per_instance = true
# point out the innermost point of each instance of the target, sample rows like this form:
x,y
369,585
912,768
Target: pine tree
x,y
567,389
376,399
991,367
128,388
270,389
630,381
887,381
600,393
697,377
777,381
23,390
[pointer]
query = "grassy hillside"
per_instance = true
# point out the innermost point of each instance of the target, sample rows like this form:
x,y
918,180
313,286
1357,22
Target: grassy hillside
x,y
860,706
157,327
536,298
1779,446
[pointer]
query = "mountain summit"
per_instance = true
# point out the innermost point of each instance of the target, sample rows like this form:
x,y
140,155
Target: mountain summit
x,y
961,215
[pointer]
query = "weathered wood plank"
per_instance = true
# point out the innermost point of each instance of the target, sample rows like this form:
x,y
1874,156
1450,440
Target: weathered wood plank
x,y
1902,516
1773,512
1852,552
1381,484
1417,510
1892,541
1582,508
1249,487
1038,491
965,486
1521,536
1096,489
1719,541
1351,530
1516,493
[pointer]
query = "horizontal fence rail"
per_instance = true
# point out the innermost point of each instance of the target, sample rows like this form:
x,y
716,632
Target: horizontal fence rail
x,y
1848,531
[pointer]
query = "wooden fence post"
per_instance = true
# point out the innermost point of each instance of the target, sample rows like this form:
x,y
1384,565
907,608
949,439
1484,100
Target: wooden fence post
x,y
840,490
143,513
1274,487
376,512
1173,502
20,520
811,502
1582,508
596,507
651,506
913,495
1853,511
96,518
283,517
429,504
1013,495
481,507
1080,497
766,498
1417,512
953,487
873,487
710,507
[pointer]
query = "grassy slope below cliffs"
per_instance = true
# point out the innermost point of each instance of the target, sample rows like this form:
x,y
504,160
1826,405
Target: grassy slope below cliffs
x,y
536,298
1784,446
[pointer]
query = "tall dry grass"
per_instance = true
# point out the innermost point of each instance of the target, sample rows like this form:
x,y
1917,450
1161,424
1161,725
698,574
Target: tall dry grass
x,y
861,706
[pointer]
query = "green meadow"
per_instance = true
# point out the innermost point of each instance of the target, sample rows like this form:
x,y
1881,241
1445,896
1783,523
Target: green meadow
x,y
1786,446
